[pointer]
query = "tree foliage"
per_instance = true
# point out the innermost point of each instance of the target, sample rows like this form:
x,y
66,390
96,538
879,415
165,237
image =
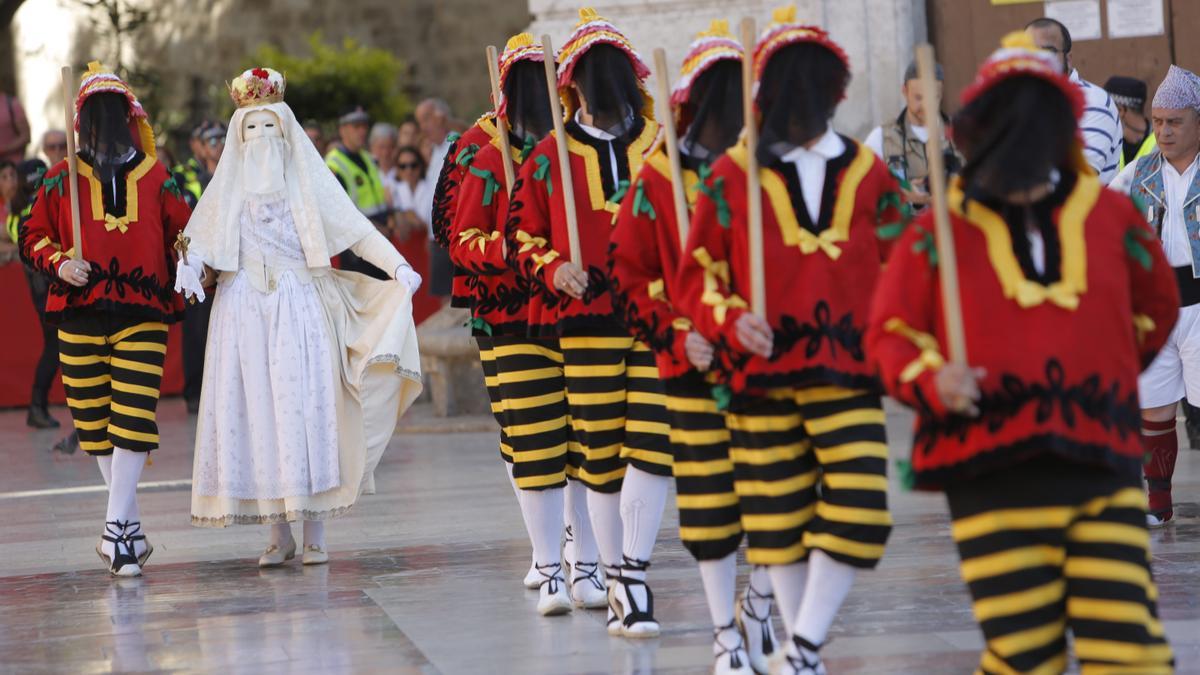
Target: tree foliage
x,y
322,84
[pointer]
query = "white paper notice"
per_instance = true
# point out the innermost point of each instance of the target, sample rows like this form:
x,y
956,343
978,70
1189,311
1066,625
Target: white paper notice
x,y
1081,17
1135,18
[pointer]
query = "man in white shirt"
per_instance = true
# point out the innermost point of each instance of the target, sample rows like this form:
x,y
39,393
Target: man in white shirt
x,y
1166,186
901,142
1100,124
433,118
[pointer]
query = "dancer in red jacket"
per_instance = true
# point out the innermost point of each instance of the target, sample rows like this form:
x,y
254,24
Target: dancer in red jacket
x,y
1066,297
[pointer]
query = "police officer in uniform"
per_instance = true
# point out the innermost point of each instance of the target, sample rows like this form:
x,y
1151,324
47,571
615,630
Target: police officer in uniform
x,y
358,173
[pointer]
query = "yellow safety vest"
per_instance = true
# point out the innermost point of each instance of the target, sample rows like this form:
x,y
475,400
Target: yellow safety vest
x,y
11,223
364,187
191,177
1148,147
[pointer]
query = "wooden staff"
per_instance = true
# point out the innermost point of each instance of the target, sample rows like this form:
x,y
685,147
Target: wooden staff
x,y
501,122
667,121
68,84
564,157
947,258
758,279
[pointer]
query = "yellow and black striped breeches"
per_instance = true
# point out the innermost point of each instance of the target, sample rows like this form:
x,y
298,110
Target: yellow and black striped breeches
x,y
710,522
617,408
487,358
810,474
532,391
112,370
1051,545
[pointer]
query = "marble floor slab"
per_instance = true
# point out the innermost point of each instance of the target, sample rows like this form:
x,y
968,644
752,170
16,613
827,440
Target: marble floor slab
x,y
425,577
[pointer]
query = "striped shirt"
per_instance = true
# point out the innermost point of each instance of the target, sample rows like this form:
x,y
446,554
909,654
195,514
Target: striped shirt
x,y
1101,128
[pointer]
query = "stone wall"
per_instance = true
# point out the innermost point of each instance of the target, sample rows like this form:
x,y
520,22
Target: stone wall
x,y
198,45
878,35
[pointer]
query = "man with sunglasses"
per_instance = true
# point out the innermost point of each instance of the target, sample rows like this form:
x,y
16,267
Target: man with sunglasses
x,y
1100,124
54,146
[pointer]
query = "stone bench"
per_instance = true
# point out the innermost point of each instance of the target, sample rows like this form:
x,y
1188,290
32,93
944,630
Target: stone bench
x,y
450,365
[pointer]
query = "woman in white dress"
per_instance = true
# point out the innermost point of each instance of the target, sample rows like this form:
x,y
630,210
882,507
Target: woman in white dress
x,y
307,369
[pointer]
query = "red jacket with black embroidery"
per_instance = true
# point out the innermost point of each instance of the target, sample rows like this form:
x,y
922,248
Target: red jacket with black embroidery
x,y
129,243
537,225
500,299
819,277
644,259
1062,352
445,196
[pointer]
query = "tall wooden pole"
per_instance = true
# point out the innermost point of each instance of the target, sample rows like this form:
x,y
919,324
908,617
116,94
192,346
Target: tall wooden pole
x,y
68,85
758,280
666,119
501,121
947,257
564,157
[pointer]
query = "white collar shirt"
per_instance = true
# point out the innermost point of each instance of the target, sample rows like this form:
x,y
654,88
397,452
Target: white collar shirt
x,y
810,164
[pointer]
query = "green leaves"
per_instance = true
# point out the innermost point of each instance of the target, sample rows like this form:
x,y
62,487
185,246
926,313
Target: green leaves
x,y
333,77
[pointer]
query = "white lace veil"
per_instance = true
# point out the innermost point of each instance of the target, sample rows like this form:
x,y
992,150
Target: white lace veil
x,y
327,221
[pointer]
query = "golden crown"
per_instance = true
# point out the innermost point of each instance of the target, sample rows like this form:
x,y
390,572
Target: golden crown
x,y
257,86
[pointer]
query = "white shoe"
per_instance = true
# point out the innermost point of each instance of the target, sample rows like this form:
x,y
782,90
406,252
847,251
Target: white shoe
x,y
124,537
553,598
634,620
1154,522
757,630
587,586
276,555
730,660
532,579
314,555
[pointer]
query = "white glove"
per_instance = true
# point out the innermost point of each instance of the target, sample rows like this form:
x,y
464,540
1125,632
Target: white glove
x,y
187,279
409,277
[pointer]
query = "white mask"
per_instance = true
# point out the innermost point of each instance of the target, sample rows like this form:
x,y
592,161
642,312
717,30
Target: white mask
x,y
263,152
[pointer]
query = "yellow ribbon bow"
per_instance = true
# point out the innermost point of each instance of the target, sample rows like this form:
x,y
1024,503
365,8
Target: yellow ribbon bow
x,y
811,243
529,241
480,239
113,223
930,357
715,272
1032,294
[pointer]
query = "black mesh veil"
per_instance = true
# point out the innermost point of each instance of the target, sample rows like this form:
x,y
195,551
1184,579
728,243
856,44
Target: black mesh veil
x,y
104,129
711,119
1014,135
527,102
606,77
798,94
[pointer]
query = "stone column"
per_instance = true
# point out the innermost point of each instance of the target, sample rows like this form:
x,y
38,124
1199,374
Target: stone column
x,y
878,35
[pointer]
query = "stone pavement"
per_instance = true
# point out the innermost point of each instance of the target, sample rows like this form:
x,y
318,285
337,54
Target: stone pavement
x,y
425,577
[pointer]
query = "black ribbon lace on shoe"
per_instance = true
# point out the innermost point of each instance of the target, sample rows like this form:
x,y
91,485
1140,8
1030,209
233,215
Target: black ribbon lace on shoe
x,y
587,573
551,574
636,614
801,663
737,653
122,534
763,621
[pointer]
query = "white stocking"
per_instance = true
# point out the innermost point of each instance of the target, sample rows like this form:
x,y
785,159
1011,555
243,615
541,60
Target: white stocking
x,y
829,583
543,514
720,584
604,510
314,533
281,533
122,492
789,582
512,480
576,510
643,497
105,462
760,581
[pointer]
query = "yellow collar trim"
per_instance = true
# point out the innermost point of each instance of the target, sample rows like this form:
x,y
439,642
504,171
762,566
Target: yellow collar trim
x,y
843,207
691,180
635,155
131,195
1064,293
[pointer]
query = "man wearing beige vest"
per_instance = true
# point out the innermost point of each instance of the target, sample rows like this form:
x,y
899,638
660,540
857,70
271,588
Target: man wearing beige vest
x,y
901,142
